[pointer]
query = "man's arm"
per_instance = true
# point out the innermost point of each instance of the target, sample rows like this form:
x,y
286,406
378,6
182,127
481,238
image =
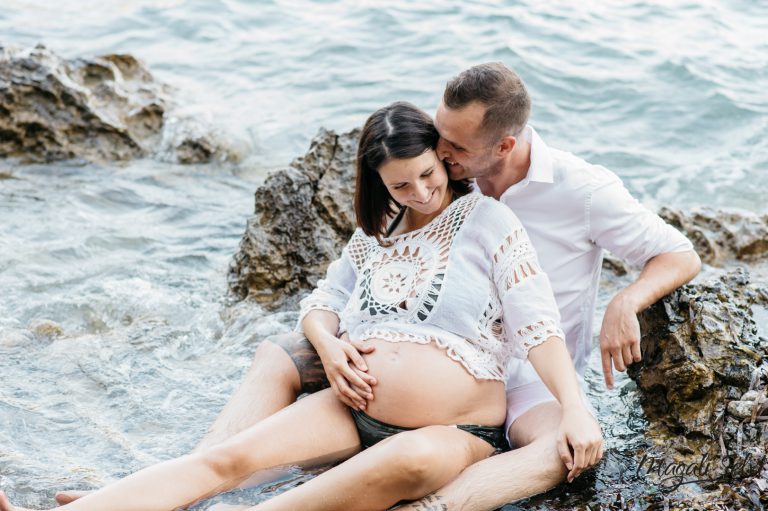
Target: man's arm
x,y
579,439
620,332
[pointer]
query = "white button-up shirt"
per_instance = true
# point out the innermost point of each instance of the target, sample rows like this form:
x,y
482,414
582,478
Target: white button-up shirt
x,y
573,210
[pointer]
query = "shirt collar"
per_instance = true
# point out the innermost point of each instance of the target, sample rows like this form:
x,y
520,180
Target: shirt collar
x,y
540,170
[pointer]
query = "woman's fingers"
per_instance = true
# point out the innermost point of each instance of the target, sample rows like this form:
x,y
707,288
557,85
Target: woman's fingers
x,y
367,378
355,357
353,378
345,389
363,347
341,397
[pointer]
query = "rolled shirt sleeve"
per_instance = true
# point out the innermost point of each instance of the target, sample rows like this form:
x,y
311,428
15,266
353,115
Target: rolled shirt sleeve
x,y
618,222
529,312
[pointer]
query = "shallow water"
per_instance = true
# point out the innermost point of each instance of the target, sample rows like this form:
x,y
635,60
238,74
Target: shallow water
x,y
117,348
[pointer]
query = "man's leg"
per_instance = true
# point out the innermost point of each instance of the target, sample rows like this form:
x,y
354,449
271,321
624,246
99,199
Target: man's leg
x,y
405,466
532,468
282,367
272,383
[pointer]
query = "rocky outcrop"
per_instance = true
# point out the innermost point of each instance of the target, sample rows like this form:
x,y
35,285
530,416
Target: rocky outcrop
x,y
302,219
704,375
720,236
106,108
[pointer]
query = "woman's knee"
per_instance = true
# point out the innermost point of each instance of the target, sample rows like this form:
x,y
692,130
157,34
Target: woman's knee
x,y
413,456
228,462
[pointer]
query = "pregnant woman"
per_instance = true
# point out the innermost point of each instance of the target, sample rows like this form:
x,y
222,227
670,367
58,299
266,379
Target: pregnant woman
x,y
442,296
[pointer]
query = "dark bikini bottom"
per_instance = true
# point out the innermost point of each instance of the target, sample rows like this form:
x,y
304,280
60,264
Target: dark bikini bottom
x,y
373,431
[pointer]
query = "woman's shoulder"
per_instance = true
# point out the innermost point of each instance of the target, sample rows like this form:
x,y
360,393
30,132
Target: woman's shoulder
x,y
492,213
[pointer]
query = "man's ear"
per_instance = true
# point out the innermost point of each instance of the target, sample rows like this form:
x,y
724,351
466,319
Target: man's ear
x,y
506,145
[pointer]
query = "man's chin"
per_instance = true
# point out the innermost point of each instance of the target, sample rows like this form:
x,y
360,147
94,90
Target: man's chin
x,y
456,172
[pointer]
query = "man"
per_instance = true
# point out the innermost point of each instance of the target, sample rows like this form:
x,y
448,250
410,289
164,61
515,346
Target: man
x,y
572,210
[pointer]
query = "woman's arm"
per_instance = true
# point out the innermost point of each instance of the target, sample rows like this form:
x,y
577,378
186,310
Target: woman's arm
x,y
344,366
319,321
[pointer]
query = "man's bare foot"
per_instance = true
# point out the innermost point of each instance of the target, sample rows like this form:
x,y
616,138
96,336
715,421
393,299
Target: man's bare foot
x,y
6,506
65,497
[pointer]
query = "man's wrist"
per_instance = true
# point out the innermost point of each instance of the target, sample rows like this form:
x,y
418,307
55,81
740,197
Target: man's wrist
x,y
628,300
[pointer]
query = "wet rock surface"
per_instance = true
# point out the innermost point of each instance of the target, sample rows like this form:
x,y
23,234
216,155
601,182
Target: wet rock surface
x,y
107,108
703,382
302,218
720,236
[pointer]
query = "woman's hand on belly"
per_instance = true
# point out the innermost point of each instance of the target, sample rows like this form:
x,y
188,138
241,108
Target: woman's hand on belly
x,y
346,370
419,385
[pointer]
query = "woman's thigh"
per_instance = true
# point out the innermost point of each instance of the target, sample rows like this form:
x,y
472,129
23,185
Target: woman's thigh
x,y
405,466
314,430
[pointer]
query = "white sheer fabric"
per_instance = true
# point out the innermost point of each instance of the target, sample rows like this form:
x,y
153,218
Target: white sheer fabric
x,y
472,286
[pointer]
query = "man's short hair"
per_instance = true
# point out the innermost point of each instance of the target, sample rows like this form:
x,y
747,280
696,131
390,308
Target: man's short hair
x,y
500,90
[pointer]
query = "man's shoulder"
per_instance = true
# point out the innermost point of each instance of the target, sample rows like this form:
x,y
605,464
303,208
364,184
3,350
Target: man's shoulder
x,y
572,172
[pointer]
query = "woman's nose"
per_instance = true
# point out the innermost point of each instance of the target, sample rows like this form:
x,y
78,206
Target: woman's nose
x,y
421,193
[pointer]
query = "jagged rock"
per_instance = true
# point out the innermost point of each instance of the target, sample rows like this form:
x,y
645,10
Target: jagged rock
x,y
701,353
719,236
104,108
302,219
698,342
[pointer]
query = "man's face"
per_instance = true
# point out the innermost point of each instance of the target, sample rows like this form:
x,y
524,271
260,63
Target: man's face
x,y
465,151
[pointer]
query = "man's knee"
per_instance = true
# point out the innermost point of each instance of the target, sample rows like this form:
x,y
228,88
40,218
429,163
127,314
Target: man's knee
x,y
536,423
271,358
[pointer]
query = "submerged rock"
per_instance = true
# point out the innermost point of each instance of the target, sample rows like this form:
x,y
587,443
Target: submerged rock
x,y
302,219
106,108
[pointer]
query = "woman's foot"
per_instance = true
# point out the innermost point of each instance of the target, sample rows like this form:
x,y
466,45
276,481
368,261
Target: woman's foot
x,y
227,507
6,506
65,497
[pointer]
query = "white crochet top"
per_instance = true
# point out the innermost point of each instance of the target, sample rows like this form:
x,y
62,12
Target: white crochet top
x,y
469,281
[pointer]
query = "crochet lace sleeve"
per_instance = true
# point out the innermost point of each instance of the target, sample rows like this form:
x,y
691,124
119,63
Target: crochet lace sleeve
x,y
530,314
332,293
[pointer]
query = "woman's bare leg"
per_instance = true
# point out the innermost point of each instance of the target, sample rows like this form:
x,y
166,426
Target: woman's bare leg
x,y
317,427
271,384
406,466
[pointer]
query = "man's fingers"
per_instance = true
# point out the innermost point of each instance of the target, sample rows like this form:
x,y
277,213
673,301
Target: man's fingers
x,y
607,368
626,352
579,457
618,360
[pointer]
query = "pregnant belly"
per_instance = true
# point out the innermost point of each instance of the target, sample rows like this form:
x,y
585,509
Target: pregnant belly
x,y
419,385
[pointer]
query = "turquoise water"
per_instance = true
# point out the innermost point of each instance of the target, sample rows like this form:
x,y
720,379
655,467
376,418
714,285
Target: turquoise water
x,y
127,263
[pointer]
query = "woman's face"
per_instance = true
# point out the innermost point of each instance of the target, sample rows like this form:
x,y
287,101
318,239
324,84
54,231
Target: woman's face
x,y
420,183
